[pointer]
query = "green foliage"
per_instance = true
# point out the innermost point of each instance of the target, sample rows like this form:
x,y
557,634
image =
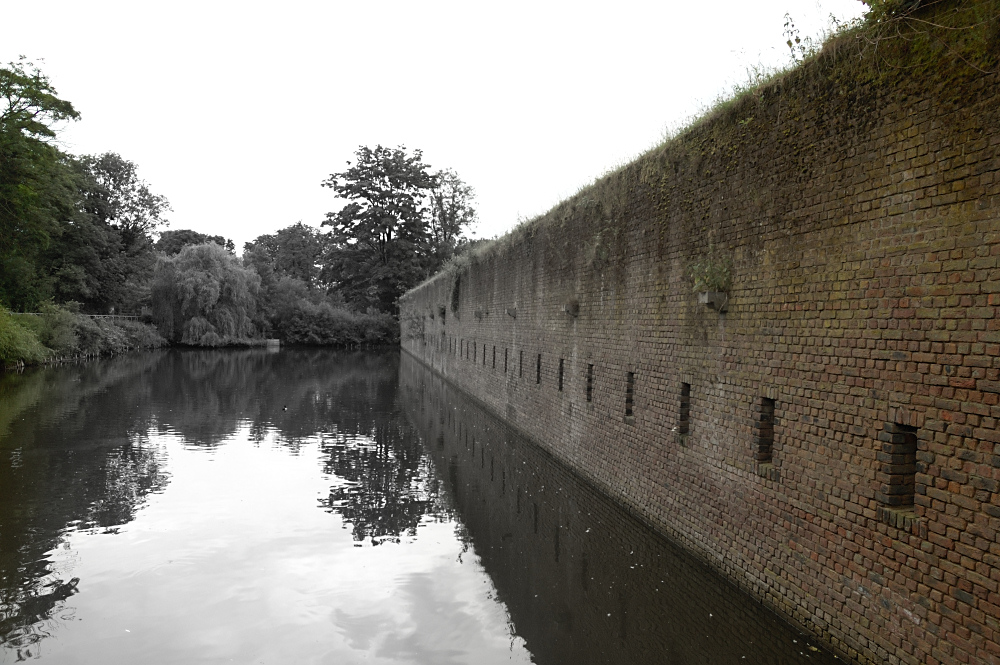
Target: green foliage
x,y
57,332
37,189
204,296
380,238
307,316
451,214
96,259
295,251
400,224
69,229
30,105
172,242
103,257
711,271
17,343
117,196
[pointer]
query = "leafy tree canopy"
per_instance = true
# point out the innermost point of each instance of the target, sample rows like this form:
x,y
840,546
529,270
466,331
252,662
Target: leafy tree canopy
x,y
204,296
96,258
28,102
398,225
172,242
452,213
37,183
294,251
118,197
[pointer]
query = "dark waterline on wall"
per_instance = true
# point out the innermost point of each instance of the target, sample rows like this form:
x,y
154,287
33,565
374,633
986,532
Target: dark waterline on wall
x,y
322,506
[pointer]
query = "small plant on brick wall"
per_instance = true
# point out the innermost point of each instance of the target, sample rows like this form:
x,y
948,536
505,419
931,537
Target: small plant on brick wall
x,y
712,271
711,274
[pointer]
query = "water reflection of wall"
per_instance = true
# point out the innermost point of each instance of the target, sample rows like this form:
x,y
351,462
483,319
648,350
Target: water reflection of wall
x,y
584,581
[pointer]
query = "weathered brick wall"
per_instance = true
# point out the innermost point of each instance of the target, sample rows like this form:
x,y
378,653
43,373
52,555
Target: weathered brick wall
x,y
863,225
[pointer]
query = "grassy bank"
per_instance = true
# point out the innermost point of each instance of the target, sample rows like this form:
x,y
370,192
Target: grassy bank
x,y
57,333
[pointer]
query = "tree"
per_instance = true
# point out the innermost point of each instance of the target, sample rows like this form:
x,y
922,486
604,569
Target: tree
x,y
380,238
37,184
295,251
451,213
172,242
30,105
204,296
102,256
119,198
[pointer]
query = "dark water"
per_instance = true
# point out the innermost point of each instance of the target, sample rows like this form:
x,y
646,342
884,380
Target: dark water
x,y
310,506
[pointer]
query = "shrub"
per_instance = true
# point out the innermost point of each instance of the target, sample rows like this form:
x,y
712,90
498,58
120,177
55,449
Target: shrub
x,y
62,333
55,328
305,322
18,344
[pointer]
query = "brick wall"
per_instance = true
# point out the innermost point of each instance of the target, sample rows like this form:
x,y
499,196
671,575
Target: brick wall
x,y
829,441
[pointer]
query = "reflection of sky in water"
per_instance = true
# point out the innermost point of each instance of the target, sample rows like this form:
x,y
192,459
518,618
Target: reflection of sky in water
x,y
235,561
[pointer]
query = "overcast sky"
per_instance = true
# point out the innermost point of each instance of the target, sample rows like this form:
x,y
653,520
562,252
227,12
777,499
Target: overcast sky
x,y
237,111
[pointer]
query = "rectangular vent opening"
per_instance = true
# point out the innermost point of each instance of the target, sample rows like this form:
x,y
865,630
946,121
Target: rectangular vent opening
x,y
684,415
629,392
764,430
897,466
590,383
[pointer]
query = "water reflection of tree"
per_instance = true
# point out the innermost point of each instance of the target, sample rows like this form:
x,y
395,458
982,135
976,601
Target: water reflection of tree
x,y
74,453
209,395
386,482
348,399
390,483
71,456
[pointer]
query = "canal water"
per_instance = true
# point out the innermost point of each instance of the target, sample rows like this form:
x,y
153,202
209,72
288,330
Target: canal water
x,y
315,506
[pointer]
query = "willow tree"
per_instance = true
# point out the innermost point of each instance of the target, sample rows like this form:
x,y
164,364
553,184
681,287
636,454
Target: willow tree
x,y
204,296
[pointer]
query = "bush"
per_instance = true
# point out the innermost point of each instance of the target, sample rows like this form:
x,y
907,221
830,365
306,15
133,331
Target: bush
x,y
108,336
55,328
62,333
304,322
18,344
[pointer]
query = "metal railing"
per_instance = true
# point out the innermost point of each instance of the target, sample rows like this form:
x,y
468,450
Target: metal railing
x,y
123,317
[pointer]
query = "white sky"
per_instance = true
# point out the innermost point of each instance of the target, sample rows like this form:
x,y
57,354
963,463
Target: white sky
x,y
237,111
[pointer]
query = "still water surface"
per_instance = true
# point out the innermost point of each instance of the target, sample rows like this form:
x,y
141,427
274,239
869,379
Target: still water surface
x,y
313,506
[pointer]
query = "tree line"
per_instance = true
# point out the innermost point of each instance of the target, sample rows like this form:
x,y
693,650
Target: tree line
x,y
85,235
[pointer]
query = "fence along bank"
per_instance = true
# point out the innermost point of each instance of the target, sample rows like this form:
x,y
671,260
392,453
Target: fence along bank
x,y
821,424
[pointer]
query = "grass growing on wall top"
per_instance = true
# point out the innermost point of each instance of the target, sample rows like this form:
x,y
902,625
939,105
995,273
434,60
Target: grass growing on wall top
x,y
938,45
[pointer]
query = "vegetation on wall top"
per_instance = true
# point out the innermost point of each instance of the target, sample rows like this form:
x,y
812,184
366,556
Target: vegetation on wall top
x,y
897,42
